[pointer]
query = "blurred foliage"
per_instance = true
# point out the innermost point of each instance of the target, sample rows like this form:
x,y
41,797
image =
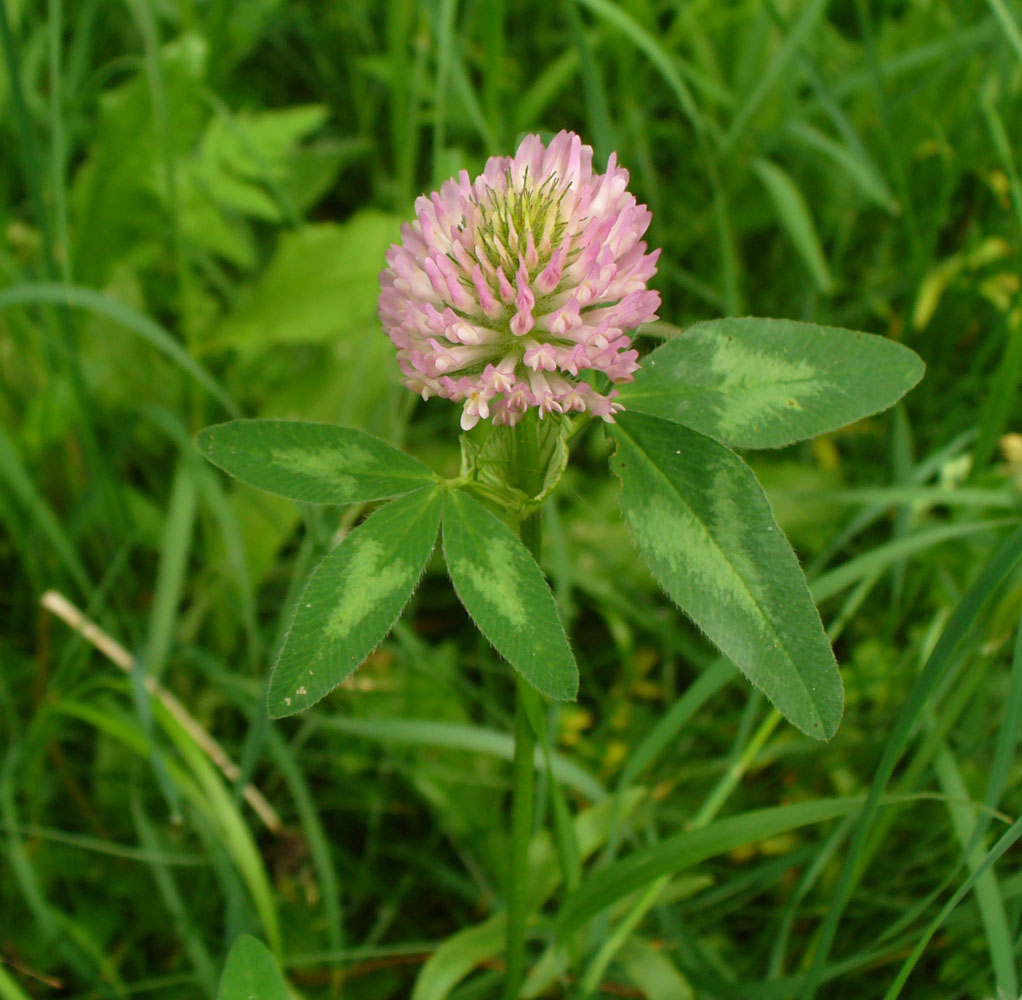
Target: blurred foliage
x,y
227,176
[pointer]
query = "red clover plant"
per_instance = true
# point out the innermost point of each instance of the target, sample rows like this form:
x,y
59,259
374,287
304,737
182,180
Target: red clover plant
x,y
516,295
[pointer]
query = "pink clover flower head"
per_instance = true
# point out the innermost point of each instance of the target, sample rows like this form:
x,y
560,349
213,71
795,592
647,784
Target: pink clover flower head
x,y
505,288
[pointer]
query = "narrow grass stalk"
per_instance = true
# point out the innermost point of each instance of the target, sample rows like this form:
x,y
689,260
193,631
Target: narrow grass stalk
x,y
615,942
494,39
58,605
1008,25
33,171
445,41
62,244
9,989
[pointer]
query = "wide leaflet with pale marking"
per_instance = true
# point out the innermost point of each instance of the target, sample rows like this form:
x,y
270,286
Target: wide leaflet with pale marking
x,y
700,518
504,592
352,600
706,530
766,383
312,463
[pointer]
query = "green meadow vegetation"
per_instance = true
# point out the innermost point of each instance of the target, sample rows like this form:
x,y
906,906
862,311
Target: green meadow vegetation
x,y
195,201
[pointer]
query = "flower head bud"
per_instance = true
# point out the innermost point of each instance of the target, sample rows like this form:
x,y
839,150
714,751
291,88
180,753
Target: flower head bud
x,y
505,288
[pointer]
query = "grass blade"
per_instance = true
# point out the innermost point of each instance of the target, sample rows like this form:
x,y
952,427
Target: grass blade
x,y
148,330
17,479
457,736
1004,561
170,579
766,80
796,218
688,848
1007,840
988,892
828,584
1011,30
857,167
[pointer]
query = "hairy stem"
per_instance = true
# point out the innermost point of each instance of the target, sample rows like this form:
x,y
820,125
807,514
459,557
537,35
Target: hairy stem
x,y
523,773
523,779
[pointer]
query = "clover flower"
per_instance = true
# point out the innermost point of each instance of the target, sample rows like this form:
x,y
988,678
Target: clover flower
x,y
505,288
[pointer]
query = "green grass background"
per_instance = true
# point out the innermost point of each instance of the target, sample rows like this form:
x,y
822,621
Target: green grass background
x,y
195,198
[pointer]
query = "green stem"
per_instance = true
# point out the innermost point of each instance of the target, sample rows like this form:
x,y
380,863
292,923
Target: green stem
x,y
523,791
523,769
531,533
594,974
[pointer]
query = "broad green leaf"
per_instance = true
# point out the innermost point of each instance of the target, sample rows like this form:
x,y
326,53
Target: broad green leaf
x,y
796,218
254,145
313,167
251,973
322,283
242,167
503,590
765,383
117,191
653,972
705,527
352,600
458,956
312,463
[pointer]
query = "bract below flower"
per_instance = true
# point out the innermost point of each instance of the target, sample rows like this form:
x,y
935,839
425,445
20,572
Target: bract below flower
x,y
505,288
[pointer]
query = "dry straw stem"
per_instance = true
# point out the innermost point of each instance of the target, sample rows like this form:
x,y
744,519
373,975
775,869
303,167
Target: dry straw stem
x,y
59,605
